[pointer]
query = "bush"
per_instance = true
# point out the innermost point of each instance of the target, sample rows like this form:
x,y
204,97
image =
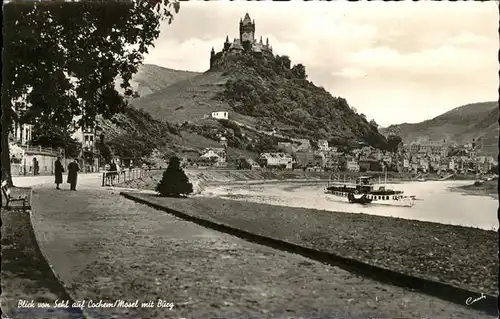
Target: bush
x,y
174,182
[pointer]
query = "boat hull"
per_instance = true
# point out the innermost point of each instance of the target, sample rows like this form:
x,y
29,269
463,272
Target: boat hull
x,y
387,200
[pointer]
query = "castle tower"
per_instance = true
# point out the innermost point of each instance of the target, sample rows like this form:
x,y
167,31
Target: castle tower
x,y
212,57
247,32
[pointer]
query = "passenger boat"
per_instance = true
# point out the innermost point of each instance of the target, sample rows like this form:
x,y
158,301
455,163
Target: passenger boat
x,y
363,191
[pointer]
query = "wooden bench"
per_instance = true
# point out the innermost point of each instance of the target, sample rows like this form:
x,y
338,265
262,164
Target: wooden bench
x,y
9,198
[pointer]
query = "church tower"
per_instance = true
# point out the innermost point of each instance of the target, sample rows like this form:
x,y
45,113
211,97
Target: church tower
x,y
247,32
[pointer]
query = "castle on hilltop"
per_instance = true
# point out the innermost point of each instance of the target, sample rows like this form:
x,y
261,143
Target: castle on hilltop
x,y
245,44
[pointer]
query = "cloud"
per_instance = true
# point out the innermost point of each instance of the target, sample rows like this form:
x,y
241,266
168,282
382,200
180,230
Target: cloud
x,y
387,58
444,60
350,73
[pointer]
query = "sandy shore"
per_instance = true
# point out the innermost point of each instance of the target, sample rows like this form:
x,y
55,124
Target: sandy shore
x,y
433,251
107,247
488,188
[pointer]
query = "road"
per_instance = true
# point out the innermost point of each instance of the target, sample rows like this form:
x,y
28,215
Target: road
x,y
85,180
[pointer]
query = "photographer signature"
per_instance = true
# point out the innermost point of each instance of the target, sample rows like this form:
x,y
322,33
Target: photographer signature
x,y
470,301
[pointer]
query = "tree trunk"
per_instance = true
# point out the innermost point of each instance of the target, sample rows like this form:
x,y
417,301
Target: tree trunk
x,y
5,157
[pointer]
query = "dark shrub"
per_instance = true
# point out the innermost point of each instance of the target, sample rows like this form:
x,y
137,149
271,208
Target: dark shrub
x,y
174,183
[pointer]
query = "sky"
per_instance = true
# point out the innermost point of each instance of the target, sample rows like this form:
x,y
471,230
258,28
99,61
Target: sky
x,y
393,61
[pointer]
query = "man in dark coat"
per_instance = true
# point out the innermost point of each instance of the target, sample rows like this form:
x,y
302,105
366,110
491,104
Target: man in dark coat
x,y
113,168
58,170
73,170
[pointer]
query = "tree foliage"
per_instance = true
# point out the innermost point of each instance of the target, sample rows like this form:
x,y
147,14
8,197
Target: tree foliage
x,y
299,71
55,137
393,142
242,163
267,87
61,59
174,182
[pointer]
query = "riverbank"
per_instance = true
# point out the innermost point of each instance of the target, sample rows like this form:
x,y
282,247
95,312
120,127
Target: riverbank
x,y
202,178
431,251
25,272
487,188
107,247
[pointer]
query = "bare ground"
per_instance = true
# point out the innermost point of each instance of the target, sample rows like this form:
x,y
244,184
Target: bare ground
x,y
106,247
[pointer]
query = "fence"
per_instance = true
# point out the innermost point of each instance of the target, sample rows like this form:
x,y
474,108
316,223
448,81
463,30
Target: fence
x,y
110,178
46,150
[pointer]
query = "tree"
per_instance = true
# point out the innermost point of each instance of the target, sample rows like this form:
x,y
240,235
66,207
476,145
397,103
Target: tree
x,y
299,71
242,163
61,60
174,183
374,124
393,142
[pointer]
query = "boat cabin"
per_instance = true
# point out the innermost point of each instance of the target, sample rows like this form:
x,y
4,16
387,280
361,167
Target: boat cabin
x,y
364,184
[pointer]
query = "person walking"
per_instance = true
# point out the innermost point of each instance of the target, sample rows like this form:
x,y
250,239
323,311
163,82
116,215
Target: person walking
x,y
73,170
118,170
35,166
112,169
58,170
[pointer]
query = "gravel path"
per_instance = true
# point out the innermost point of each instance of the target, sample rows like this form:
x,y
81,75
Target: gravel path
x,y
104,246
26,277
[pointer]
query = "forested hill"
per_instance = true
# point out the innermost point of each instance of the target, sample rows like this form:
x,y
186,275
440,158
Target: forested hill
x,y
460,125
265,90
273,89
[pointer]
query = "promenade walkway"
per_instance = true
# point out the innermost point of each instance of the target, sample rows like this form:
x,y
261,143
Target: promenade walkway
x,y
104,246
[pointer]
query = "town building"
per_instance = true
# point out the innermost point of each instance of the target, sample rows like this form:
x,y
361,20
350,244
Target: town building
x,y
426,148
24,154
276,160
323,146
352,166
22,133
310,159
89,154
213,157
223,141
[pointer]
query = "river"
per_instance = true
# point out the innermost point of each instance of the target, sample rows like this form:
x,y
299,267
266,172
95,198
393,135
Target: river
x,y
435,201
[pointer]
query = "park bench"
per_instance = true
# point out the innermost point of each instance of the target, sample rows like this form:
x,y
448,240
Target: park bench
x,y
9,198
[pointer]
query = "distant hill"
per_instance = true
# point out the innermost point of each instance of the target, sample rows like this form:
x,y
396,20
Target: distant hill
x,y
186,100
459,125
152,78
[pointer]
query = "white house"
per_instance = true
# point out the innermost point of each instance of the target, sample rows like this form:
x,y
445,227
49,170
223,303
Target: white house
x,y
276,160
220,115
406,163
352,166
323,145
223,141
214,156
